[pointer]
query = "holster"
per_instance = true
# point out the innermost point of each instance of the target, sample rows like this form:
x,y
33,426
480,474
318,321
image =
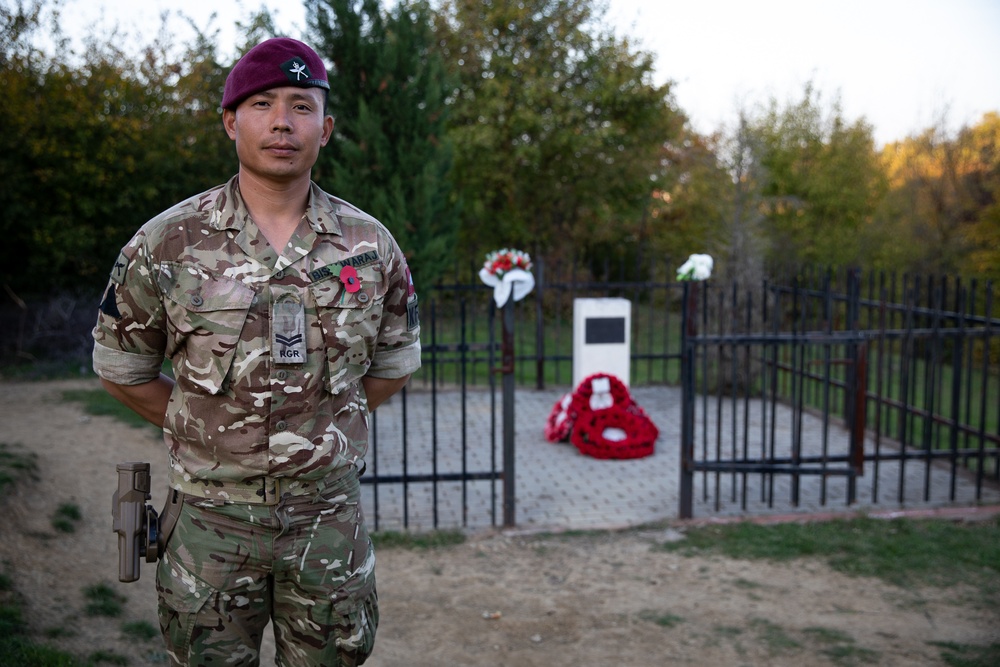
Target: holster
x,y
141,531
168,518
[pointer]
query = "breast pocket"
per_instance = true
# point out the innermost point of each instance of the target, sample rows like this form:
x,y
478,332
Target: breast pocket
x,y
350,323
205,318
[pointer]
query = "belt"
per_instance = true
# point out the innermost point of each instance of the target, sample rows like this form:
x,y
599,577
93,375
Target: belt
x,y
263,490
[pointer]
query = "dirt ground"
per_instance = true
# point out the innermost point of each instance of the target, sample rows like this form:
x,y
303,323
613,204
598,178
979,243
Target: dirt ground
x,y
498,599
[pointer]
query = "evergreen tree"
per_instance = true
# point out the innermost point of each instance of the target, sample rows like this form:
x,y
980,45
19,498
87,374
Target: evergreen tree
x,y
389,154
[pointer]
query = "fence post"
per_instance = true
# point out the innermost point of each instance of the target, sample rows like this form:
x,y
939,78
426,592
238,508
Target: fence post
x,y
688,323
507,369
859,421
539,326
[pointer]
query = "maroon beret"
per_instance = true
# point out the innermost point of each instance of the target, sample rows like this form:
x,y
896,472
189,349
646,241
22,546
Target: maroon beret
x,y
271,64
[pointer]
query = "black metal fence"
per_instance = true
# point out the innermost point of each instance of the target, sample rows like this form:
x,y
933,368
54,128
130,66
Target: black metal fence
x,y
438,453
825,385
461,328
823,390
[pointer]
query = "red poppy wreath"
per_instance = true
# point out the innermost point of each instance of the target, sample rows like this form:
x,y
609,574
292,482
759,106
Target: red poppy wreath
x,y
599,391
560,422
601,420
614,433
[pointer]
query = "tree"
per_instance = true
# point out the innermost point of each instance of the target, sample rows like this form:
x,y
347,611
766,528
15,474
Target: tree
x,y
744,244
984,185
390,154
22,72
944,205
824,182
97,144
689,214
558,130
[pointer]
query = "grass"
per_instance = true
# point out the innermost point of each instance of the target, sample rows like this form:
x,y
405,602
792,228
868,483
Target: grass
x,y
965,655
828,636
730,631
836,645
99,403
417,541
746,584
901,552
140,630
106,657
929,387
773,636
16,645
41,370
663,619
102,600
841,647
59,631
66,517
16,464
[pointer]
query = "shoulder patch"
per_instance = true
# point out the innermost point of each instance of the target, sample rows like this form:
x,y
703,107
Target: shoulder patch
x,y
410,289
118,270
412,314
109,304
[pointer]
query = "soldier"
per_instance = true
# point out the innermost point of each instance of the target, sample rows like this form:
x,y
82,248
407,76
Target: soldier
x,y
288,316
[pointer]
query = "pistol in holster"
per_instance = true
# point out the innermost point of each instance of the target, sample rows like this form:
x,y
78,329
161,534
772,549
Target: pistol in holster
x,y
141,531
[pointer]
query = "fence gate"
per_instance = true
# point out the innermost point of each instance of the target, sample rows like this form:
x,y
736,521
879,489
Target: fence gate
x,y
440,455
748,434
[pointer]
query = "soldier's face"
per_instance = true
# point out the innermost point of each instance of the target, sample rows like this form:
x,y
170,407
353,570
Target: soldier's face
x,y
279,132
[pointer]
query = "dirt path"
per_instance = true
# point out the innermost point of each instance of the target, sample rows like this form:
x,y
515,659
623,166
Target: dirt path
x,y
498,599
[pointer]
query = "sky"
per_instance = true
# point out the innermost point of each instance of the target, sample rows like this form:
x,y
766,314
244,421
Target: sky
x,y
903,65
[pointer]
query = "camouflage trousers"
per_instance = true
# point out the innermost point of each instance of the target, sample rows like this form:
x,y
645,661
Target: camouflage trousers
x,y
307,564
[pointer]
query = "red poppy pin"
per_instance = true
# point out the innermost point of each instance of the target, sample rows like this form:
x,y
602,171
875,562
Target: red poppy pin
x,y
349,276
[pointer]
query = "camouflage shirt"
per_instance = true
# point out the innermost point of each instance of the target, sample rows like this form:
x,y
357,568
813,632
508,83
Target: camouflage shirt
x,y
268,350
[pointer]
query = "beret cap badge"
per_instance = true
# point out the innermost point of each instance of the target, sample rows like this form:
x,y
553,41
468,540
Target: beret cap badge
x,y
296,70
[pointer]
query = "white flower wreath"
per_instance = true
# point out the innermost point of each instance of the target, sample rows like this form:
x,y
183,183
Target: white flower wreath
x,y
508,272
697,267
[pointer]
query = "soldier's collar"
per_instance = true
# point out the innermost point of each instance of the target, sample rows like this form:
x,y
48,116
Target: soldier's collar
x,y
321,212
231,211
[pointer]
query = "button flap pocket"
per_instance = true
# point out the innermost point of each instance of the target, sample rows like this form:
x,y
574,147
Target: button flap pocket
x,y
205,318
333,293
350,323
202,292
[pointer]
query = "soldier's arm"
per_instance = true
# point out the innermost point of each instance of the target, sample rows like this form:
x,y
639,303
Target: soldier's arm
x,y
148,400
379,390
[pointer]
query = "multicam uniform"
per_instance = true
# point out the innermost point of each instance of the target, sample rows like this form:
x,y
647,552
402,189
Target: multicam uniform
x,y
267,424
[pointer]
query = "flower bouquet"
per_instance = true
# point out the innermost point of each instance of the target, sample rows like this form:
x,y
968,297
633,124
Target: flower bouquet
x,y
697,267
508,272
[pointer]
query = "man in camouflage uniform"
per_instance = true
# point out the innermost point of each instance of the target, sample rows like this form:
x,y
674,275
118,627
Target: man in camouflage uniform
x,y
288,315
